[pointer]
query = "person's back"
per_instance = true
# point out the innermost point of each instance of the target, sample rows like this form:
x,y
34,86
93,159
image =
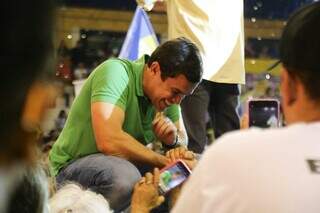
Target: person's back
x,y
258,171
76,142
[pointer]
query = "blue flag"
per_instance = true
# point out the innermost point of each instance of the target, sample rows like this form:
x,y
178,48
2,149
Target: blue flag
x,y
140,38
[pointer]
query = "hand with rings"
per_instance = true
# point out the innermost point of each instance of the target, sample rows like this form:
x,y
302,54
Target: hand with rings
x,y
146,195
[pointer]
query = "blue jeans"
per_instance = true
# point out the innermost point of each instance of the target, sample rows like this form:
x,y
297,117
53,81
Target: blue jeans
x,y
113,177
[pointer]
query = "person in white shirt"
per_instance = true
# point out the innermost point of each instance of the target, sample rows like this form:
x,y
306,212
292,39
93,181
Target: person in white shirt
x,y
274,170
216,27
268,170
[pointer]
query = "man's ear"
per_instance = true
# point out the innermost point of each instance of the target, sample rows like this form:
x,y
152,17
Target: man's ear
x,y
155,67
288,87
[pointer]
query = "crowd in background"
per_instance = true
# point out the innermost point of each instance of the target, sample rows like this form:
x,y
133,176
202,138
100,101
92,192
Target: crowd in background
x,y
78,62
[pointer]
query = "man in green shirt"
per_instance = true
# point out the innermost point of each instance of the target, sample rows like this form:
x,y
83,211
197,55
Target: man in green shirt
x,y
122,107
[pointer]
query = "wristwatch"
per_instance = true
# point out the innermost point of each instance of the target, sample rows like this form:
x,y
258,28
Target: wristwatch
x,y
176,140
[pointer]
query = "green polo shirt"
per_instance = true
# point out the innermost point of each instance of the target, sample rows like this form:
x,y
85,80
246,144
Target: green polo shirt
x,y
118,82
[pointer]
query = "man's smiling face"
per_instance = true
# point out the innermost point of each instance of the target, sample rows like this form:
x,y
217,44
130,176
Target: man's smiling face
x,y
165,92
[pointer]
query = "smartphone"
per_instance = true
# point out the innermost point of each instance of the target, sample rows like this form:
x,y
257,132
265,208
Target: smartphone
x,y
264,113
173,175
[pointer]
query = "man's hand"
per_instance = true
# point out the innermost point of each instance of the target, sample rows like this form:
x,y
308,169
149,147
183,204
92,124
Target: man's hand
x,y
146,195
164,129
186,156
182,153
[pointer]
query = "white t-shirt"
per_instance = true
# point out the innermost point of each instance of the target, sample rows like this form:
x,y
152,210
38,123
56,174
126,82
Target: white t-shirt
x,y
258,171
216,27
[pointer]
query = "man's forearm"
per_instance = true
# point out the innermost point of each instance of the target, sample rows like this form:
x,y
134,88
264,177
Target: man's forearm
x,y
125,146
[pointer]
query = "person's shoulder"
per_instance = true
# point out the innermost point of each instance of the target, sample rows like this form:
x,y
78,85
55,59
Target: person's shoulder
x,y
113,68
112,65
235,149
241,141
241,137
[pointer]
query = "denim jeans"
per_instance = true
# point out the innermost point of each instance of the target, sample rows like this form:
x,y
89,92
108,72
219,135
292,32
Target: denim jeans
x,y
113,177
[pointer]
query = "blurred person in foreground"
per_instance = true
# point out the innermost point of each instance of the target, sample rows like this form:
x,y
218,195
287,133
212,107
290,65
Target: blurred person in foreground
x,y
270,170
26,59
115,116
216,27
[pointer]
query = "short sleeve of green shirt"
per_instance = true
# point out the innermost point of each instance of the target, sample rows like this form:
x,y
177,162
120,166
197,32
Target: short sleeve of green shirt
x,y
110,83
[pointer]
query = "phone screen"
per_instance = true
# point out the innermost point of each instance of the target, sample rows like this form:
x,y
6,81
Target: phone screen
x,y
264,113
173,176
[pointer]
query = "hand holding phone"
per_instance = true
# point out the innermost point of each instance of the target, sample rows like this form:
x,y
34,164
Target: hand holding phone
x,y
173,175
146,195
264,113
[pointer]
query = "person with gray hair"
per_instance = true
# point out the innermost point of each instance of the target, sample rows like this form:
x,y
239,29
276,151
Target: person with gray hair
x,y
73,198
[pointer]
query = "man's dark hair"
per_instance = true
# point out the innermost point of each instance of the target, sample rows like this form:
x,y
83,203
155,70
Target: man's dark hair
x,y
178,56
26,44
300,48
31,193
